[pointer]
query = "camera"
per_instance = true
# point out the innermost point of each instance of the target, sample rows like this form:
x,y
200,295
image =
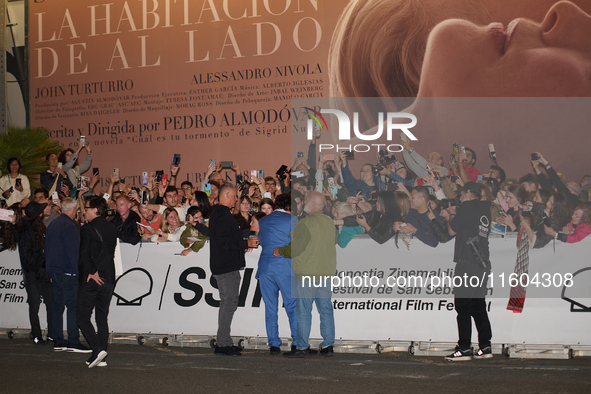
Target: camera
x,y
535,156
450,202
300,154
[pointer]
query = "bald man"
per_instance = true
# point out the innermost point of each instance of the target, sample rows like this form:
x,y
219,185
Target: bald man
x,y
314,261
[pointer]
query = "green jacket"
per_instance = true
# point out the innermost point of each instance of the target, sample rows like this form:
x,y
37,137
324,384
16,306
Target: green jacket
x,y
312,249
191,231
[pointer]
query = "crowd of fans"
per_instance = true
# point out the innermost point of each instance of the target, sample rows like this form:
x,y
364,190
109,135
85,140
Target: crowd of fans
x,y
401,198
392,198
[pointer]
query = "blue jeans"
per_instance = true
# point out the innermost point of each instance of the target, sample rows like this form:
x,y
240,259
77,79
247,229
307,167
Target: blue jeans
x,y
307,294
270,286
65,290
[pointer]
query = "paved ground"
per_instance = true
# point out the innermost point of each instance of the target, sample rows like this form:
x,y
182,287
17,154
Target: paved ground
x,y
28,368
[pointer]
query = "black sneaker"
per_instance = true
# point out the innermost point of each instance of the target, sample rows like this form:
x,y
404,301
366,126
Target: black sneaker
x,y
60,346
38,341
460,355
327,351
226,351
79,348
483,353
274,350
101,364
300,353
95,360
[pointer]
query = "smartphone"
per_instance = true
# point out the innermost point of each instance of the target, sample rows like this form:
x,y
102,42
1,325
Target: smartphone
x,y
18,182
145,178
164,180
254,174
297,174
106,196
491,151
333,191
479,178
59,165
176,160
116,172
79,183
330,181
208,189
227,164
319,186
535,156
261,174
145,197
328,157
267,195
159,174
456,148
95,171
452,159
55,198
83,140
420,181
281,170
350,155
300,154
403,137
212,161
463,151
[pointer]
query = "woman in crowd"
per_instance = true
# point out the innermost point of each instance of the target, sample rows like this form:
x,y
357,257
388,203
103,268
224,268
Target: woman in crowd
x,y
558,215
31,241
55,179
14,186
69,159
171,228
577,229
201,200
244,206
11,229
380,226
267,206
517,199
404,202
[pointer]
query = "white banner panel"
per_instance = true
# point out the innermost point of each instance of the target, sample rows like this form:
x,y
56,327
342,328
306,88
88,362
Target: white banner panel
x,y
161,292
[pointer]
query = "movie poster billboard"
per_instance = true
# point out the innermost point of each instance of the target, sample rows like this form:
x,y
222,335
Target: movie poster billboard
x,y
206,79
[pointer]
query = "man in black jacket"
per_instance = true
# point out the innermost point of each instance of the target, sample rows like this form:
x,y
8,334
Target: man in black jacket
x,y
98,239
126,221
471,227
226,259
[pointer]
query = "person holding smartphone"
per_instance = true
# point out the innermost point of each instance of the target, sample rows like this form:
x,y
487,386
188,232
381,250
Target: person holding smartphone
x,y
69,158
14,186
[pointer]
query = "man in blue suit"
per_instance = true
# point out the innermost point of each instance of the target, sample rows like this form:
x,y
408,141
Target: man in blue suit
x,y
274,273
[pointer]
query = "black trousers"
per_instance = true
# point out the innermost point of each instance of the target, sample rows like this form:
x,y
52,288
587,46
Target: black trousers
x,y
468,309
35,291
94,296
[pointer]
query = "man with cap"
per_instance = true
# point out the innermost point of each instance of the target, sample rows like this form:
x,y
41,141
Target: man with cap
x,y
471,227
37,283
